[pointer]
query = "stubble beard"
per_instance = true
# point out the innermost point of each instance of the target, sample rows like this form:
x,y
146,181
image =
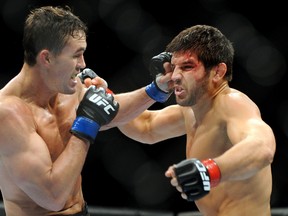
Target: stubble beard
x,y
195,94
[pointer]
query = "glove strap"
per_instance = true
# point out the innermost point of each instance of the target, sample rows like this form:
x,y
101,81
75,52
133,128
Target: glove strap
x,y
156,93
214,172
85,128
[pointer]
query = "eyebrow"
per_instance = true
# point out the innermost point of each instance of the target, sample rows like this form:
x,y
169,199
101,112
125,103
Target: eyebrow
x,y
81,49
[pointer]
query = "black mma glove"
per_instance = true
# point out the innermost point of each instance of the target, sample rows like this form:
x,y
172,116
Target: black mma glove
x,y
86,73
158,91
89,73
197,177
156,63
96,109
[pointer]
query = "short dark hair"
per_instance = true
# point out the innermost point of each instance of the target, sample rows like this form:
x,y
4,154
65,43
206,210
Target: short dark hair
x,y
208,43
49,28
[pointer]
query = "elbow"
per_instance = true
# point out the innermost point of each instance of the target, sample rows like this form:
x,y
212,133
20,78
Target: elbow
x,y
150,142
270,147
56,208
269,153
146,140
149,138
53,203
270,156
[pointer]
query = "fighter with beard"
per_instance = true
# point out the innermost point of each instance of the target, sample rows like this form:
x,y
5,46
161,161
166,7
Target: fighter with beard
x,y
229,147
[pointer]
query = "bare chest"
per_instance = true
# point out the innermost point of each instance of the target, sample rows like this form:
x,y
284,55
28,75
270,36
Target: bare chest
x,y
54,128
207,139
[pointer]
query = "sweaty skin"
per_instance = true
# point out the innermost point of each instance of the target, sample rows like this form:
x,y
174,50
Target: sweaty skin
x,y
40,161
36,143
220,123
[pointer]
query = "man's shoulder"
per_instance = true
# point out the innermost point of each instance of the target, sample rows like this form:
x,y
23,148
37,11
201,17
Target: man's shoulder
x,y
232,101
11,105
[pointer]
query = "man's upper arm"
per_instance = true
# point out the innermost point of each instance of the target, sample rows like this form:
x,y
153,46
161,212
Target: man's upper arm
x,y
244,120
23,151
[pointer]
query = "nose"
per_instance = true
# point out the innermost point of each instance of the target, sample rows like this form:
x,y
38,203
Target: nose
x,y
81,62
176,75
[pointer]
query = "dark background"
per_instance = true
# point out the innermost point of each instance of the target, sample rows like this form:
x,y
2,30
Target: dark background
x,y
123,36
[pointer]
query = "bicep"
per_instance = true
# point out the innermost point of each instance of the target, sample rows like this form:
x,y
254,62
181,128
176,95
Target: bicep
x,y
24,154
28,163
252,139
245,123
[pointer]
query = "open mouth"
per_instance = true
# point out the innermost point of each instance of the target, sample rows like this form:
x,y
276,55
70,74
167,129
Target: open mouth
x,y
178,90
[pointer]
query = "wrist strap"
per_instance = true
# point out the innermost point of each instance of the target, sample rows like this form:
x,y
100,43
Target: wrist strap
x,y
85,128
213,170
157,94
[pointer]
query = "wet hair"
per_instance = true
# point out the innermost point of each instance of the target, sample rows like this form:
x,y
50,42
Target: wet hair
x,y
50,28
208,43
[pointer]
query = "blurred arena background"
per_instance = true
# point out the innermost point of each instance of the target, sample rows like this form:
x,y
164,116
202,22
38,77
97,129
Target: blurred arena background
x,y
123,35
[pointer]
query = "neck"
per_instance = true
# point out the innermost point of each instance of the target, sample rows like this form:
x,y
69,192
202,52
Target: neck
x,y
220,89
33,88
201,108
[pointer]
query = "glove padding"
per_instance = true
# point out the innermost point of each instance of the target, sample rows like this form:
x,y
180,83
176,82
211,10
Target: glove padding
x,y
86,73
156,63
158,91
193,177
89,73
96,109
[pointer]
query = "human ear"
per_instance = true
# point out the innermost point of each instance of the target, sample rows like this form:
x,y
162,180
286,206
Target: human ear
x,y
220,70
44,57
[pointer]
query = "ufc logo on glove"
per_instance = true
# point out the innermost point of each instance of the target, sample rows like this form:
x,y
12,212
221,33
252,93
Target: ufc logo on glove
x,y
100,101
205,178
90,118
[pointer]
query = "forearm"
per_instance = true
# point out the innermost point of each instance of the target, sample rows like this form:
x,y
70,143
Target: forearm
x,y
47,181
58,182
153,126
137,132
132,104
68,166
